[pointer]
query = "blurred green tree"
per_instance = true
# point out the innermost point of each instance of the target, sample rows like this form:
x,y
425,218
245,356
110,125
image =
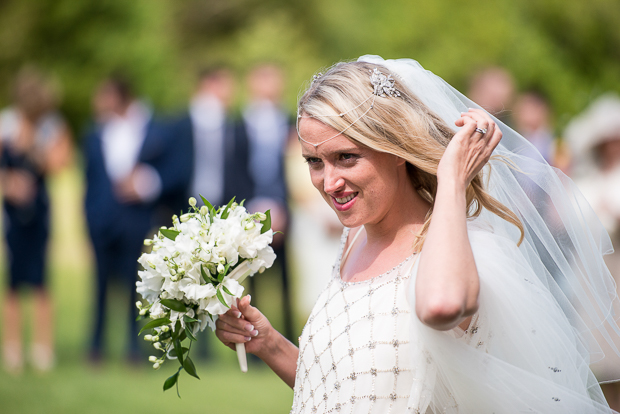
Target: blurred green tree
x,y
570,51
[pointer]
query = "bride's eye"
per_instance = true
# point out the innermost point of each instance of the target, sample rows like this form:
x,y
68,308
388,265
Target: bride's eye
x,y
312,161
348,157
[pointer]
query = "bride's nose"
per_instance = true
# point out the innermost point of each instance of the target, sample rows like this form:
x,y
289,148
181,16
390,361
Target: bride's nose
x,y
332,180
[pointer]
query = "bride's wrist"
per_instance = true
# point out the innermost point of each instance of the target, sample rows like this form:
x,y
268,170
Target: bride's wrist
x,y
451,185
272,344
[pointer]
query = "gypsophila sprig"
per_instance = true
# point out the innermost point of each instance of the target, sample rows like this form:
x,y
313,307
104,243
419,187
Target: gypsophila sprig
x,y
194,273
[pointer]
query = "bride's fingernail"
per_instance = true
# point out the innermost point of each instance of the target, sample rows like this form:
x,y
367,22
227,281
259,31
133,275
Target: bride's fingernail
x,y
254,332
249,299
247,338
249,327
237,314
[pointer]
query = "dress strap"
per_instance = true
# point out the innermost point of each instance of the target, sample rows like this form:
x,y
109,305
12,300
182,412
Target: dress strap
x,y
346,254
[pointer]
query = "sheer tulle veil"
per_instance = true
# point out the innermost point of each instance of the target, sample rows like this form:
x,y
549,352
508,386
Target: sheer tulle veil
x,y
548,306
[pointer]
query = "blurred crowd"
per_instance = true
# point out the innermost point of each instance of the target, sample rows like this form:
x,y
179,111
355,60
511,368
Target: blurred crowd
x,y
141,168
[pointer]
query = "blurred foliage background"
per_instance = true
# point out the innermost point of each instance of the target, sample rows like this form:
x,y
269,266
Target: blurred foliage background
x,y
569,50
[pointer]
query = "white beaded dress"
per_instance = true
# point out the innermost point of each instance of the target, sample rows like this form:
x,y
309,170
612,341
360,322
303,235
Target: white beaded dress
x,y
355,348
363,350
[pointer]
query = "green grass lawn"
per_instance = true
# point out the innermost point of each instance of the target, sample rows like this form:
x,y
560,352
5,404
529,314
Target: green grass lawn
x,y
76,387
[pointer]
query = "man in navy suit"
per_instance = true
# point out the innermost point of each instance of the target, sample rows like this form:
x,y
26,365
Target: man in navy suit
x,y
132,163
220,144
268,128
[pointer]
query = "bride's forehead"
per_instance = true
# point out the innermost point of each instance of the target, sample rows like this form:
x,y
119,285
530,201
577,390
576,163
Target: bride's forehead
x,y
337,144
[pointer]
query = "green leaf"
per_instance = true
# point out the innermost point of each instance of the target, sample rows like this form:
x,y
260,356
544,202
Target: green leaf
x,y
179,350
220,277
169,383
173,352
266,222
187,319
221,298
226,290
242,202
206,202
154,324
175,305
171,234
189,333
226,211
189,367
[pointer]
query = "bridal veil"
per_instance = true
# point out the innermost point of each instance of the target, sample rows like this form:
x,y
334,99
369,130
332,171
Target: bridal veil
x,y
547,306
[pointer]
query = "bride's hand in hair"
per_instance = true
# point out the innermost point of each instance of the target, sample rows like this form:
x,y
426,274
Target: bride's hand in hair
x,y
469,150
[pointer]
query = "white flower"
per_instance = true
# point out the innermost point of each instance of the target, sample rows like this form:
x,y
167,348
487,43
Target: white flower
x,y
265,258
214,306
233,287
196,291
192,201
157,311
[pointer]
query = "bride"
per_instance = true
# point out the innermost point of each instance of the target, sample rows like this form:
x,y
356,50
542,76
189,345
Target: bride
x,y
470,277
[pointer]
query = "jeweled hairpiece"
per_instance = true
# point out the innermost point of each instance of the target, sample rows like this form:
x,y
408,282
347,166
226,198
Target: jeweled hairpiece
x,y
383,86
316,77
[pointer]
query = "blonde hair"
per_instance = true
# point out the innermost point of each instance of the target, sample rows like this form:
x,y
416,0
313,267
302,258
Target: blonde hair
x,y
403,126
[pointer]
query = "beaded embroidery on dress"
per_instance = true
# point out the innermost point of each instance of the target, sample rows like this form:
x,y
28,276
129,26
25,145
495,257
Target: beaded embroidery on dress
x,y
355,351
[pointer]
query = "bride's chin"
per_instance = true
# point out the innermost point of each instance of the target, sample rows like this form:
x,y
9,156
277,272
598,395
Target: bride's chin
x,y
349,221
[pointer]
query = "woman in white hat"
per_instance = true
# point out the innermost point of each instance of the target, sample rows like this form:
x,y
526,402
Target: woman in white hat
x,y
594,137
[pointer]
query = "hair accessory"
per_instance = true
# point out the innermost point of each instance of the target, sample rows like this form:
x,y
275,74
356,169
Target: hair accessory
x,y
383,86
316,77
483,131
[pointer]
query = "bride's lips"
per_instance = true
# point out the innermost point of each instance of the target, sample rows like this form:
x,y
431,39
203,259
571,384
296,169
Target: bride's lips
x,y
344,202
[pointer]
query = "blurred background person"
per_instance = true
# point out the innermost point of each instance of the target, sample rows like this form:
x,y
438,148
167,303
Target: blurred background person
x,y
220,146
493,89
125,156
268,127
219,149
594,137
533,119
34,142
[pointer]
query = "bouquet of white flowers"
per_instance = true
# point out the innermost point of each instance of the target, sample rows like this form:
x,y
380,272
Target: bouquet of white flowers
x,y
193,274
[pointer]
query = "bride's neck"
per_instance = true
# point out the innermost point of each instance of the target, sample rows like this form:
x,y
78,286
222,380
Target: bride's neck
x,y
403,220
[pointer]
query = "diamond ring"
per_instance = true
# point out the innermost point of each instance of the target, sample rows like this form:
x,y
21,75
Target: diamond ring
x,y
483,131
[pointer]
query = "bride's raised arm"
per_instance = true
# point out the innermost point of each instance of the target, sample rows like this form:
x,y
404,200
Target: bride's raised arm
x,y
447,285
